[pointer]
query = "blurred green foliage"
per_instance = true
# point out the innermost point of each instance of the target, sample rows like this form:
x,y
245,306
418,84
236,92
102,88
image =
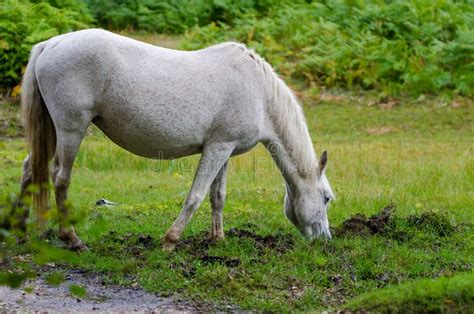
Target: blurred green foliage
x,y
173,16
395,47
24,23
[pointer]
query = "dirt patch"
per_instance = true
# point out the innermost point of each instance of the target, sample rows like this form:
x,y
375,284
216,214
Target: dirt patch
x,y
200,244
198,247
278,242
360,225
36,295
385,223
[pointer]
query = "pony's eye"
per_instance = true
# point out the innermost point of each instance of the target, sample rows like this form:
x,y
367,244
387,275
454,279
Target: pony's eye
x,y
326,200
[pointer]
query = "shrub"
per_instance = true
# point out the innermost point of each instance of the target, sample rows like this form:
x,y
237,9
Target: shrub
x,y
23,23
415,47
394,46
172,16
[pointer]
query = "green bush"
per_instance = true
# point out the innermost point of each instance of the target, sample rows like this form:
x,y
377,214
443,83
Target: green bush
x,y
399,46
24,23
172,16
410,47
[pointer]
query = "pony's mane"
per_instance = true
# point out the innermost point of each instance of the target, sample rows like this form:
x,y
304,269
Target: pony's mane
x,y
287,115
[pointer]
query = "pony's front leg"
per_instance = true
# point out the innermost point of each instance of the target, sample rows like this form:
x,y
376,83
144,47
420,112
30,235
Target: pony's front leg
x,y
213,158
217,198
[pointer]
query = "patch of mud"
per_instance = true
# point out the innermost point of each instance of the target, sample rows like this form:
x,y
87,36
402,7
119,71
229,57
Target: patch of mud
x,y
198,247
361,225
278,242
38,296
386,224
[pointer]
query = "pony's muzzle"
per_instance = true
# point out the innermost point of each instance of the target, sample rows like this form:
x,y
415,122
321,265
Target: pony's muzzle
x,y
317,230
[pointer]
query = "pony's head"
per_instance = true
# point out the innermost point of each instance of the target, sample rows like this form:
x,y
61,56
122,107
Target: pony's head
x,y
307,207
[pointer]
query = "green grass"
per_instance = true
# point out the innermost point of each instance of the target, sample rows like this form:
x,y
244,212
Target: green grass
x,y
454,294
418,156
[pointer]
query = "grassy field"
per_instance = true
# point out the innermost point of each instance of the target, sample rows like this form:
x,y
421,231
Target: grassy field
x,y
418,156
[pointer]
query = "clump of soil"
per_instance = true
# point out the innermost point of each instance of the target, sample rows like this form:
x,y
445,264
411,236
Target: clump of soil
x,y
360,225
386,224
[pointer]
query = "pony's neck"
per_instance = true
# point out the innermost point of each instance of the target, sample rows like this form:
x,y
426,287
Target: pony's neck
x,y
290,146
296,169
288,142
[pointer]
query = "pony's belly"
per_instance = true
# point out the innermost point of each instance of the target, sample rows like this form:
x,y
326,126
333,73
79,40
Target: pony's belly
x,y
149,145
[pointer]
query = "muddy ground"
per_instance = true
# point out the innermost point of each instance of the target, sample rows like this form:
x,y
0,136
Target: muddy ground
x,y
39,296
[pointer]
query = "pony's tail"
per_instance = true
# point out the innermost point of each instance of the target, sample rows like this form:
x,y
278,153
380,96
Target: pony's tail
x,y
39,132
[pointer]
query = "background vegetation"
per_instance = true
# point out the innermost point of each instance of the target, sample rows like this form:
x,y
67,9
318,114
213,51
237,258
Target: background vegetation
x,y
393,47
24,23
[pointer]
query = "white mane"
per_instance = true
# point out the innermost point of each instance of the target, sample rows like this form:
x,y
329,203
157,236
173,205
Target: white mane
x,y
288,116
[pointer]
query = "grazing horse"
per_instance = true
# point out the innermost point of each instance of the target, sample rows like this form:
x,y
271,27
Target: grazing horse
x,y
162,103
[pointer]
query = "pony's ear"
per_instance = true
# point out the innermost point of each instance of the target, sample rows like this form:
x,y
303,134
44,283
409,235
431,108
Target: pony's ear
x,y
323,161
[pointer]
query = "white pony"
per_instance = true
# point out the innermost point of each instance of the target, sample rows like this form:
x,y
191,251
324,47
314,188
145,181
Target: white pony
x,y
161,103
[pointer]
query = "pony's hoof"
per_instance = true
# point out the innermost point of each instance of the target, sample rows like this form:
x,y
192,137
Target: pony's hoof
x,y
75,244
168,246
216,237
72,241
78,247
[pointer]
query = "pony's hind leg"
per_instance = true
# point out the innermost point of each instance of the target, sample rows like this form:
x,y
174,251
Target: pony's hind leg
x,y
217,198
213,158
66,150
